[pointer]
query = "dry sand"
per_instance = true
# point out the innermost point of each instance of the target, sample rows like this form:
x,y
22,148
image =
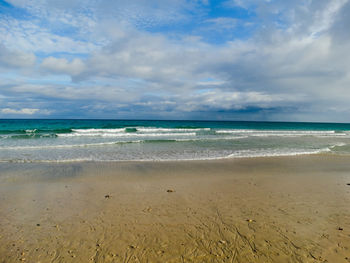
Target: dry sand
x,y
286,209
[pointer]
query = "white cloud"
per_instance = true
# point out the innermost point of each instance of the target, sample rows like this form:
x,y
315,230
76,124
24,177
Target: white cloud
x,y
223,22
25,111
325,18
82,26
29,36
236,3
63,66
15,58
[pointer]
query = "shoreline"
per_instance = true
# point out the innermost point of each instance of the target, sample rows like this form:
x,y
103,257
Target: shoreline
x,y
266,209
226,158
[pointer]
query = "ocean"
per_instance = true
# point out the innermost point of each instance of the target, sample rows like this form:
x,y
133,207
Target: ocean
x,y
128,140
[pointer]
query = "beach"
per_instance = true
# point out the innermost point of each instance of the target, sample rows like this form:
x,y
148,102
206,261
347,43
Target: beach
x,y
174,131
268,209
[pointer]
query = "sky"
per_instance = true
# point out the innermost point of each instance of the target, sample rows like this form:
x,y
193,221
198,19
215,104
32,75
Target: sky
x,y
254,60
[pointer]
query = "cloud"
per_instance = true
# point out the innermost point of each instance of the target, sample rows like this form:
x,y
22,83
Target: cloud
x,y
24,111
175,58
71,93
223,23
63,66
29,36
15,58
237,3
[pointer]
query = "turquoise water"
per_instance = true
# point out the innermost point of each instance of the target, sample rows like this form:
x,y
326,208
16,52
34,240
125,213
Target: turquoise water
x,y
116,140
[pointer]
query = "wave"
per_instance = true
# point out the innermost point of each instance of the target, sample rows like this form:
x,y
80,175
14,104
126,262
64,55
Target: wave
x,y
276,131
98,130
119,142
109,134
341,144
49,161
251,153
28,136
68,145
133,131
21,131
150,131
32,133
140,131
146,129
130,130
235,155
285,133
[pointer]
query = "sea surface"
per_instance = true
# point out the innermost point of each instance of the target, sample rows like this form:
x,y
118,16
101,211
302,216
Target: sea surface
x,y
119,140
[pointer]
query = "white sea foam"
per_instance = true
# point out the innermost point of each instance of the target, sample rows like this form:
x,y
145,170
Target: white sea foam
x,y
212,139
67,145
275,131
341,144
49,161
177,130
108,134
99,130
281,133
140,129
31,131
275,153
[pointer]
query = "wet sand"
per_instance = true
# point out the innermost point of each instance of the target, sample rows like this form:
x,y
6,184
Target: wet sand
x,y
285,209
